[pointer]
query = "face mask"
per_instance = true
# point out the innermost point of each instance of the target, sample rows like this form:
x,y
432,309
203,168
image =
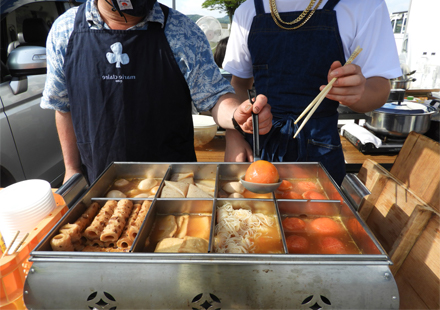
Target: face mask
x,y
133,7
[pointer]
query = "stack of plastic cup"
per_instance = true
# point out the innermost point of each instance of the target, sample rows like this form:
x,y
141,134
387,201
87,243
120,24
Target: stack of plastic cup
x,y
22,206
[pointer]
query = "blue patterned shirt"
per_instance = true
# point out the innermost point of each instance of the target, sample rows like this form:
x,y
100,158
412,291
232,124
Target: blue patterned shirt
x,y
187,41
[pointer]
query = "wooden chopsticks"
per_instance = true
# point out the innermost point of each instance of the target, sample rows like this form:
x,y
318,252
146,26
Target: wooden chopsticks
x,y
21,242
317,101
10,245
12,242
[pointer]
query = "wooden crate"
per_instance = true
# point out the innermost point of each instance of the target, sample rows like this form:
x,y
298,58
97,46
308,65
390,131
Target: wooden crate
x,y
418,167
393,212
403,213
418,277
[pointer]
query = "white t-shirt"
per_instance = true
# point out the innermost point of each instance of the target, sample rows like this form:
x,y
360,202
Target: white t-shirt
x,y
364,23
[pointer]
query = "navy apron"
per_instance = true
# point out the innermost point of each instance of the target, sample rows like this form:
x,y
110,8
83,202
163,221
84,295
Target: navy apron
x,y
289,66
129,99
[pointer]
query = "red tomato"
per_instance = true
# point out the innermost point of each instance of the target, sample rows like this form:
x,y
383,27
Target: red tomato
x,y
285,185
330,245
313,195
320,208
294,224
290,195
297,244
262,171
303,186
325,226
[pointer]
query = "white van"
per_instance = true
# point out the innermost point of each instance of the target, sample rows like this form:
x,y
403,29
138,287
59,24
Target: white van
x,y
417,34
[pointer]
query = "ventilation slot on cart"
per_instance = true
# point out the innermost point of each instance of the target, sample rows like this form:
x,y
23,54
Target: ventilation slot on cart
x,y
101,302
316,304
206,301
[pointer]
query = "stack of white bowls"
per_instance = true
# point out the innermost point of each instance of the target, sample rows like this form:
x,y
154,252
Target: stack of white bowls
x,y
22,206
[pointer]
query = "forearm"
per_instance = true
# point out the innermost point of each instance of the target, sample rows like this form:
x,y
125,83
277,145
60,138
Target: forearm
x,y
223,110
228,103
377,90
241,86
66,134
237,149
239,107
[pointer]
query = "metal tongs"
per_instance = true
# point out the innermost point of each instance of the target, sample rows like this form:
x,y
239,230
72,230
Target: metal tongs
x,y
252,94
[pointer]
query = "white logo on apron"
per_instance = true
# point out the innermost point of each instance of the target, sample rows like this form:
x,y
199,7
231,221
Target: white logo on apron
x,y
117,56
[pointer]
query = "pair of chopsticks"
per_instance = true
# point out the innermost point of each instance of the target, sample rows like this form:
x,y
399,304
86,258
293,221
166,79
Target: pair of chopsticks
x,y
317,101
12,242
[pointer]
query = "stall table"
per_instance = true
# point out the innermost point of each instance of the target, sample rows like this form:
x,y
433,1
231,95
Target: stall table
x,y
214,151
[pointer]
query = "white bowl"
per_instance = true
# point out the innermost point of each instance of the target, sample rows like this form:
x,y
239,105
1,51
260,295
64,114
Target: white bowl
x,y
204,129
23,196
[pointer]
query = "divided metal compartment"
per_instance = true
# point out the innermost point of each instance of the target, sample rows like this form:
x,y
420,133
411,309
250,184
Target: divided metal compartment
x,y
146,280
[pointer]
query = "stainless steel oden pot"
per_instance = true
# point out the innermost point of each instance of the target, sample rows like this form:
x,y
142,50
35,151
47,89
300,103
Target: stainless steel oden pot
x,y
399,119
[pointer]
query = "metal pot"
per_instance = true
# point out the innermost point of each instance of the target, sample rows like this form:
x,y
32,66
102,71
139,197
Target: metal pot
x,y
399,119
403,82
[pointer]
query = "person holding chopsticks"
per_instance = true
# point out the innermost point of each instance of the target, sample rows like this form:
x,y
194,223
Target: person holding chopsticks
x,y
289,50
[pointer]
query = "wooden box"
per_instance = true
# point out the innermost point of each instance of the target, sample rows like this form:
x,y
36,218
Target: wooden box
x,y
403,213
418,167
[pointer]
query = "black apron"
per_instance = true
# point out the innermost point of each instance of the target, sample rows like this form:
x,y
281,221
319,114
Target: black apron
x,y
289,66
129,100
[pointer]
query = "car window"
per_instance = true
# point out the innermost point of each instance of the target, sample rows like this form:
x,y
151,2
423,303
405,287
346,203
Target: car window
x,y
28,24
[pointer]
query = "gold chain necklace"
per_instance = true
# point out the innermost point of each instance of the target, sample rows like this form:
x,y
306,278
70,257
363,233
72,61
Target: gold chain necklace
x,y
277,19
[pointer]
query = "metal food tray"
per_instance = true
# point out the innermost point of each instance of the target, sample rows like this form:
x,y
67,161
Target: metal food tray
x,y
145,280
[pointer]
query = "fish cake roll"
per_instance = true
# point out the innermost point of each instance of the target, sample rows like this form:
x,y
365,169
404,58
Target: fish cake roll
x,y
73,230
134,229
95,243
62,242
100,221
90,248
124,243
124,240
116,224
87,217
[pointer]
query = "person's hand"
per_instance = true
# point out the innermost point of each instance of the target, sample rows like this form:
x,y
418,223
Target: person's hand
x,y
237,149
70,173
349,88
243,115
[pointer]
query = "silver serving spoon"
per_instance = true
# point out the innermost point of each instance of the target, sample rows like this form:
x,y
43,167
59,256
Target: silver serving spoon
x,y
259,188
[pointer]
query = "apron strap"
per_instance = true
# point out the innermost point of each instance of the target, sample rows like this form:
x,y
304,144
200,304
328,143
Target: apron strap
x,y
80,22
165,11
330,5
259,7
157,25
